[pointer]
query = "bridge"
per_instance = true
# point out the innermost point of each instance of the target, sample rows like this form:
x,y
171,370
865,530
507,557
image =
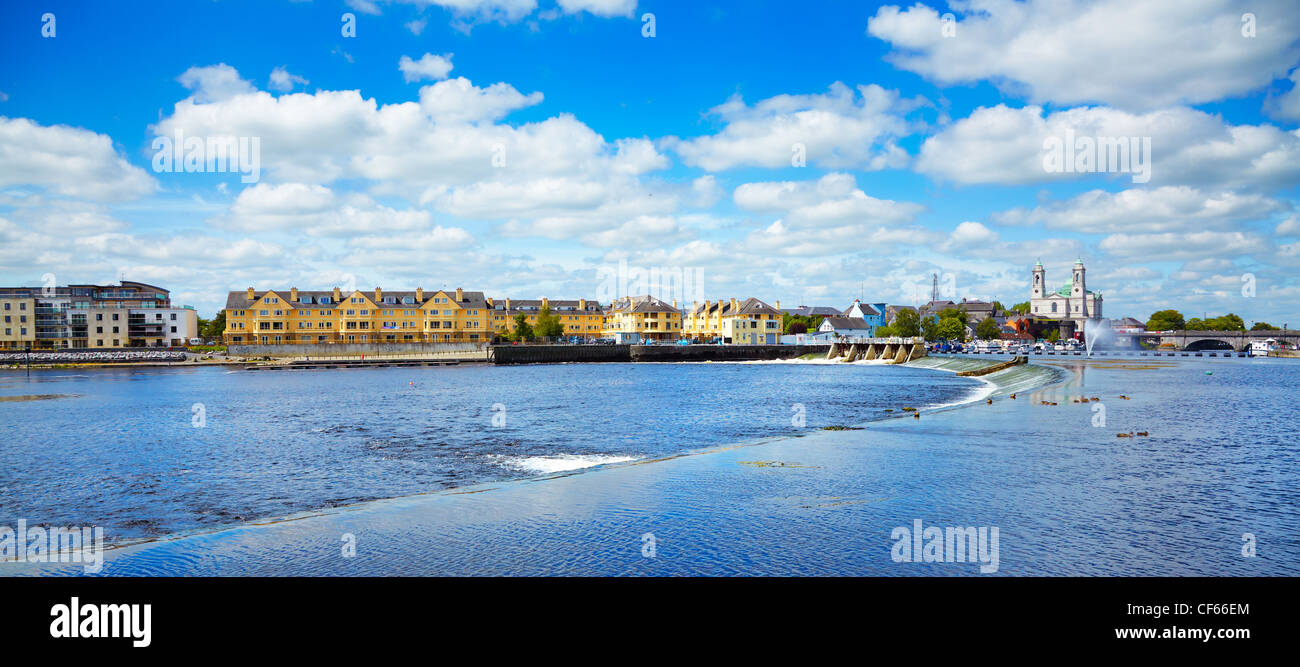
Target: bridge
x,y
1219,340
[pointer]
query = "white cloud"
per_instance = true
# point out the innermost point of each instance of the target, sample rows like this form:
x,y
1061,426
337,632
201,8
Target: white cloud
x,y
459,101
416,26
1006,146
834,198
839,129
283,81
214,83
1289,227
599,7
67,161
1133,55
428,66
1183,246
1287,105
1170,208
315,210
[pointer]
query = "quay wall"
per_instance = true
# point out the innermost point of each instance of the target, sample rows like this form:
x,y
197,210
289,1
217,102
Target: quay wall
x,y
552,354
337,350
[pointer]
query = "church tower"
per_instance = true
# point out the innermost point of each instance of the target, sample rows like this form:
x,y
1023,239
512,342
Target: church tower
x,y
1040,279
1079,288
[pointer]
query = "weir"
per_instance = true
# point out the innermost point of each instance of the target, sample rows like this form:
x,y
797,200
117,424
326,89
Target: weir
x,y
892,350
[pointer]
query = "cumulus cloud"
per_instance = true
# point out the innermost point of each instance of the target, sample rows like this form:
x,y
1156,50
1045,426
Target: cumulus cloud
x,y
1170,208
315,210
214,83
283,81
428,66
67,161
1182,246
841,128
1132,55
1001,145
834,198
599,7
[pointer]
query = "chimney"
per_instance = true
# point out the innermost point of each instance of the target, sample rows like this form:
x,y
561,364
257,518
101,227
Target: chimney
x,y
379,295
778,304
545,302
507,303
733,304
460,295
250,294
419,295
338,296
582,304
293,293
674,304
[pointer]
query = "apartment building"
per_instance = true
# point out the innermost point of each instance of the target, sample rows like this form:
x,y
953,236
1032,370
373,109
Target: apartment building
x,y
643,317
293,316
129,314
748,322
580,317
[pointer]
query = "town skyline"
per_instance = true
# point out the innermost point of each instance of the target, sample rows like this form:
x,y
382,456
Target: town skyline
x,y
851,154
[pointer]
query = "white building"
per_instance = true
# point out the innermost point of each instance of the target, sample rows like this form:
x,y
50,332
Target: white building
x,y
1072,302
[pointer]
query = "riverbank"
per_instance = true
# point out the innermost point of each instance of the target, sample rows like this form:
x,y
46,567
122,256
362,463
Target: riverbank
x,y
1069,497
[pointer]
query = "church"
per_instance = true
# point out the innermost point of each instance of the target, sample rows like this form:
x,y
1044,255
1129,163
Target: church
x,y
1072,303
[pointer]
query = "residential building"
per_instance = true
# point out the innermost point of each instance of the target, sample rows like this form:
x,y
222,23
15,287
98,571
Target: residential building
x,y
644,317
976,311
871,313
845,327
129,314
813,311
580,317
292,316
750,322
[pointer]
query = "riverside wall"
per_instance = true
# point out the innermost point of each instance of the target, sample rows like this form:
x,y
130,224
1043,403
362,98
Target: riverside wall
x,y
553,354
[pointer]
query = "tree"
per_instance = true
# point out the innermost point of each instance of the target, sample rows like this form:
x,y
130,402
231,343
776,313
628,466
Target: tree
x,y
1022,308
213,328
1053,335
548,325
906,323
953,313
523,331
998,307
1263,326
885,331
796,328
987,329
930,328
1166,320
951,328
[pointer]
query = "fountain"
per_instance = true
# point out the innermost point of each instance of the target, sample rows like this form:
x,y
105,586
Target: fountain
x,y
1094,330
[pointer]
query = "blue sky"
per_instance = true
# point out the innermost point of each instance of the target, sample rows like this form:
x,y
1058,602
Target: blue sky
x,y
536,145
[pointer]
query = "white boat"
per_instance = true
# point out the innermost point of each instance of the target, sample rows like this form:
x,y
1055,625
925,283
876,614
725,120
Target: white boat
x,y
1261,348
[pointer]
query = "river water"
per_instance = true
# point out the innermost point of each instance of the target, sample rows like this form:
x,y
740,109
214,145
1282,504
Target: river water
x,y
593,458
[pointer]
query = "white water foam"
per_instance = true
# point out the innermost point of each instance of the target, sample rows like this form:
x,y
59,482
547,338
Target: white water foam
x,y
562,462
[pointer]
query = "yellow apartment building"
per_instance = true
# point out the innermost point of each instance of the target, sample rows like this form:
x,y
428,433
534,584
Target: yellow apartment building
x,y
283,317
580,317
646,316
17,322
748,322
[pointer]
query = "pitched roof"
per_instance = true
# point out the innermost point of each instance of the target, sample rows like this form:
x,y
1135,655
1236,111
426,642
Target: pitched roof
x,y
239,300
809,311
535,305
846,323
641,304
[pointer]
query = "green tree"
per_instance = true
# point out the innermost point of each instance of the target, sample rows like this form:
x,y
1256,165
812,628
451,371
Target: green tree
x,y
548,325
906,323
1053,336
523,331
987,329
1166,320
951,328
953,313
1022,308
214,327
930,328
885,332
1263,326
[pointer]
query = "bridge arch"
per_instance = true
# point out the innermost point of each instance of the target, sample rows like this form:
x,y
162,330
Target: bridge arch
x,y
1210,344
